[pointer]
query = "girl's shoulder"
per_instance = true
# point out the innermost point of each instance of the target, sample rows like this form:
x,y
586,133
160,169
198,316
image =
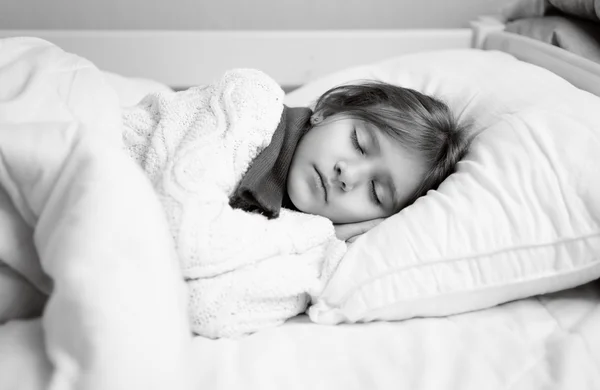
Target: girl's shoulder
x,y
253,93
252,78
252,102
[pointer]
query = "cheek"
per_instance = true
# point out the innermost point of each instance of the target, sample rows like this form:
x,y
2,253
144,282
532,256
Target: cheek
x,y
350,208
316,141
362,208
298,188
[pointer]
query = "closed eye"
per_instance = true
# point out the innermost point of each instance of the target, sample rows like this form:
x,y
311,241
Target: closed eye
x,y
355,142
374,196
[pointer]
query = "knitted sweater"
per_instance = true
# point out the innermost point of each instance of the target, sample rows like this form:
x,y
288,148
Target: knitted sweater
x,y
243,270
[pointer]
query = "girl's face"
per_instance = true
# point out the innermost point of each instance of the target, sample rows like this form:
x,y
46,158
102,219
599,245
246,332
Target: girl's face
x,y
349,171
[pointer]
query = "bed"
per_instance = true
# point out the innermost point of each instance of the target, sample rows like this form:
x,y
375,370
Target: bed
x,y
530,329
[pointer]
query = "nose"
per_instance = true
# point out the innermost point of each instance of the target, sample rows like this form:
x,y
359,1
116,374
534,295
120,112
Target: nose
x,y
348,175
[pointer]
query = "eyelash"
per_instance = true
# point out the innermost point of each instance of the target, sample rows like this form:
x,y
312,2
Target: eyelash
x,y
354,137
374,196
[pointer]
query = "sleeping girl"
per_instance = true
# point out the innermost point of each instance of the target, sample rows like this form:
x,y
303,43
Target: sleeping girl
x,y
260,197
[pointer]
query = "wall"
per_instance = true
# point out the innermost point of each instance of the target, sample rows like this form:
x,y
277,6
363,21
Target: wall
x,y
242,14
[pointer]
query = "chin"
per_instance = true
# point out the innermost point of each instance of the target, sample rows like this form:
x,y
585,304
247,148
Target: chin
x,y
296,198
302,205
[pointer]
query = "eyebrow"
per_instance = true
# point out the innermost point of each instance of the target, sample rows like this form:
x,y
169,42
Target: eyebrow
x,y
372,132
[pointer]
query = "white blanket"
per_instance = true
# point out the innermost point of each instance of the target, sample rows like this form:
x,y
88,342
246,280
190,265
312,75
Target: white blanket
x,y
80,221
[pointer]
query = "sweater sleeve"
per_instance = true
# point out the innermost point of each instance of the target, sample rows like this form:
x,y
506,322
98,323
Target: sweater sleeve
x,y
233,238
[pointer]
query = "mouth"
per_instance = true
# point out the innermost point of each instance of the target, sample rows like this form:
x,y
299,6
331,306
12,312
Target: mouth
x,y
321,182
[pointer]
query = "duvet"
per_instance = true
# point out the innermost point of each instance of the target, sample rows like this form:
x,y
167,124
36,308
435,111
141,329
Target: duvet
x,y
79,224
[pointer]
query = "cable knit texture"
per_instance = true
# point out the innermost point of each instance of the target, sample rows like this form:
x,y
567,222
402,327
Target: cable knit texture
x,y
244,271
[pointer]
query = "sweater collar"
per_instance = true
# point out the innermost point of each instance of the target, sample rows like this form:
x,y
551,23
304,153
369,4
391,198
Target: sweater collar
x,y
263,187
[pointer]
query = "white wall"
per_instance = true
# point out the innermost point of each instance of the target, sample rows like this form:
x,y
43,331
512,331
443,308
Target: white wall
x,y
242,14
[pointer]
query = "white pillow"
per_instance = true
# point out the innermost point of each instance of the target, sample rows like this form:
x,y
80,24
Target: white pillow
x,y
520,217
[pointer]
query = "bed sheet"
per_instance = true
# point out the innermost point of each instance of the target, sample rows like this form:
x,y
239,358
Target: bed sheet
x,y
548,342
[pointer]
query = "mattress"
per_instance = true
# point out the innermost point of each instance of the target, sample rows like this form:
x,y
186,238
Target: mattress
x,y
547,342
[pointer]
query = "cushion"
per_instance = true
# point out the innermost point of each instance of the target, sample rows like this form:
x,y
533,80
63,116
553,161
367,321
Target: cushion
x,y
519,217
584,9
572,34
587,9
518,9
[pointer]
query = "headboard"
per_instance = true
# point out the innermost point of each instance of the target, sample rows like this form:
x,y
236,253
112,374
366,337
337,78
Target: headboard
x,y
186,58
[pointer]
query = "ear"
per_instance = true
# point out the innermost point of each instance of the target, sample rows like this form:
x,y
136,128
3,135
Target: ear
x,y
316,118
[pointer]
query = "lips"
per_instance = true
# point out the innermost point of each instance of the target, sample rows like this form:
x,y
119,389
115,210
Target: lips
x,y
322,182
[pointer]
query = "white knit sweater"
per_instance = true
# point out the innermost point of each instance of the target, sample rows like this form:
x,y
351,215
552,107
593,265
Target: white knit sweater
x,y
244,271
